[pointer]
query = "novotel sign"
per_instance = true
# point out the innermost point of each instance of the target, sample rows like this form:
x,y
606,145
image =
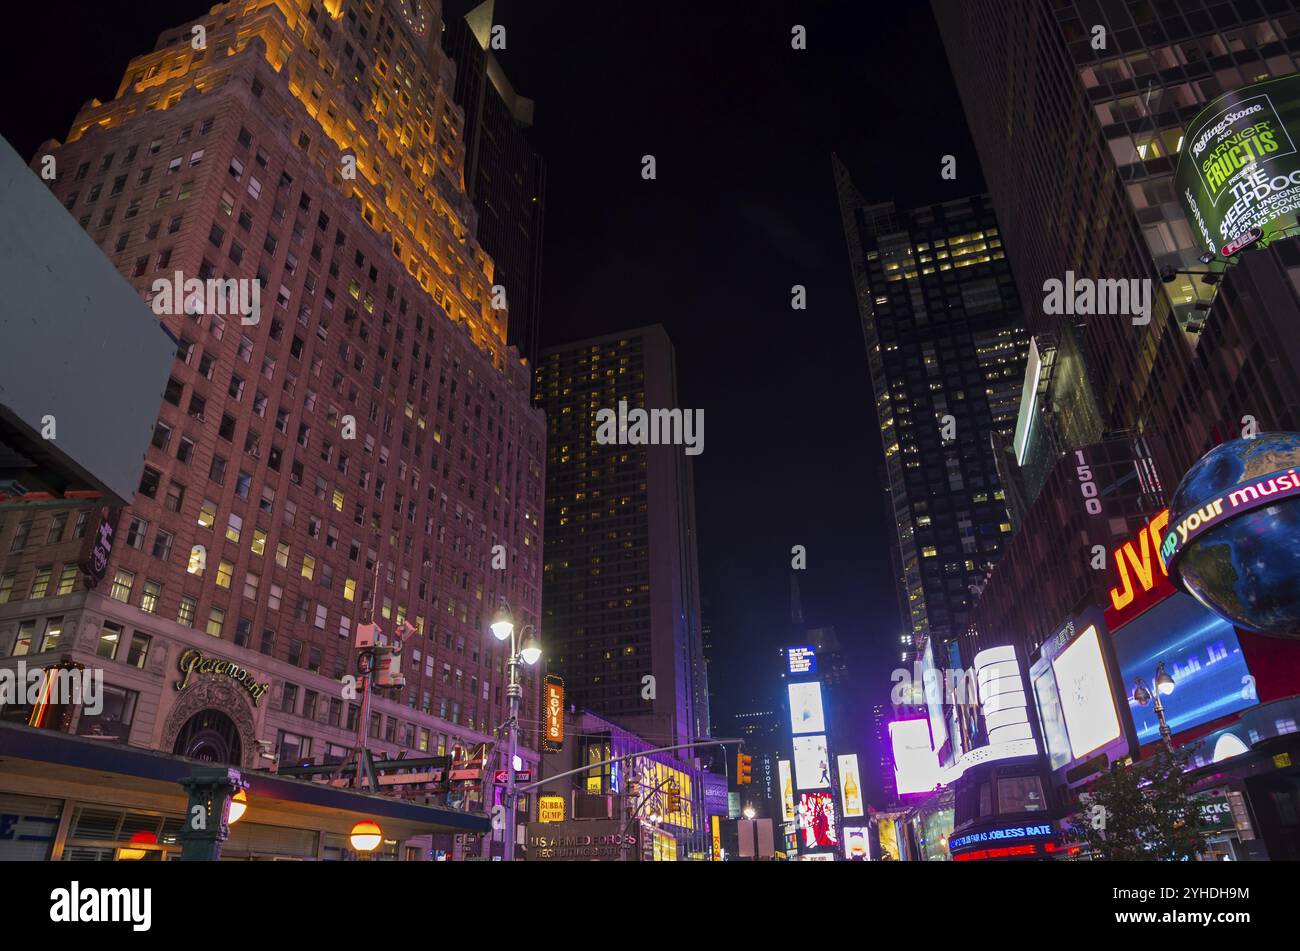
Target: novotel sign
x,y
1041,831
803,660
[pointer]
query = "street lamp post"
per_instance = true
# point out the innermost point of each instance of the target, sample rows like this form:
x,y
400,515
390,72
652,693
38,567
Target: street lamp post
x,y
525,649
1164,685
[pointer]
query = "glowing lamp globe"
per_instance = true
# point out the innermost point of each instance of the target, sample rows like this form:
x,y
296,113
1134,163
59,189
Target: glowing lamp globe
x,y
1233,539
238,806
366,836
502,626
531,650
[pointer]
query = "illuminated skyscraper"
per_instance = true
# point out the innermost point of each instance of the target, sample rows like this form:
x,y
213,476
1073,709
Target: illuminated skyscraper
x,y
621,583
365,441
1078,109
941,320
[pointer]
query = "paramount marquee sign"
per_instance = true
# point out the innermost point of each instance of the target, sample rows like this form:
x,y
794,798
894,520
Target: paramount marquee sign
x,y
193,662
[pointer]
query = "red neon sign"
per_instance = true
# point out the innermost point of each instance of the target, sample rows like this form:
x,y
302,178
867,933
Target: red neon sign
x,y
1140,572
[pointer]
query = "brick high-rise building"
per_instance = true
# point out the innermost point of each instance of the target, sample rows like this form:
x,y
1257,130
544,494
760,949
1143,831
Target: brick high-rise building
x,y
503,172
621,583
941,321
368,439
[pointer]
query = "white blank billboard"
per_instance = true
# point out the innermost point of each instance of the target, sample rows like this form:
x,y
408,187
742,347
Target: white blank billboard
x,y
806,713
1086,695
811,766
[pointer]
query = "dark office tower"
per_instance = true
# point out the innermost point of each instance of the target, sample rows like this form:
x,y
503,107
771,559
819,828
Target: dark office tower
x,y
941,320
620,593
504,176
1079,146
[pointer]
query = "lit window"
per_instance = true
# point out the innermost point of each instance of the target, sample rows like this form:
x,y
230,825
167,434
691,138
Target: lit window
x,y
149,599
122,582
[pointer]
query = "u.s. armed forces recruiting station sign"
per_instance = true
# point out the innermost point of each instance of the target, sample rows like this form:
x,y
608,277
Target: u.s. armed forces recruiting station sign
x,y
1239,168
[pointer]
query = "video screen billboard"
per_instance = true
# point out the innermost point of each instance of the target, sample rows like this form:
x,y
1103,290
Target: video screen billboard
x,y
1051,718
856,844
817,820
787,790
933,680
850,785
916,770
811,765
1239,169
806,713
1086,693
802,660
1200,651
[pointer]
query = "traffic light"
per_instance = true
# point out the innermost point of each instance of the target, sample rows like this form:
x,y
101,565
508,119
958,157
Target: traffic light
x,y
744,769
674,799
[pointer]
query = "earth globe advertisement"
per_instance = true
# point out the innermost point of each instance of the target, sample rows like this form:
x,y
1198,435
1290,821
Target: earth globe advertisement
x,y
1233,540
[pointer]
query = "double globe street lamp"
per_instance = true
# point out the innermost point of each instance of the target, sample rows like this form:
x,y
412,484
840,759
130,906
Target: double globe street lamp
x,y
1164,686
527,649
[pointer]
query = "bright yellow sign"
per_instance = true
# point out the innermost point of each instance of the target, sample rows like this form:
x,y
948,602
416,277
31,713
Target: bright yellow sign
x,y
550,809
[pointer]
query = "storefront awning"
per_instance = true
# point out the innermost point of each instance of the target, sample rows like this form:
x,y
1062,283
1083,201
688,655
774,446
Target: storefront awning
x,y
48,763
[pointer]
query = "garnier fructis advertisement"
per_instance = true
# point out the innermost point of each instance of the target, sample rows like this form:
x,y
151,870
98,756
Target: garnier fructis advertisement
x,y
1239,168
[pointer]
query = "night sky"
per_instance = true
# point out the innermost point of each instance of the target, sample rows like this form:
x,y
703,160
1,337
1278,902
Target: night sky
x,y
742,128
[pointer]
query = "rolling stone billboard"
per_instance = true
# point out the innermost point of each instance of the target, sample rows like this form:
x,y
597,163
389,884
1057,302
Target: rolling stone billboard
x,y
1239,168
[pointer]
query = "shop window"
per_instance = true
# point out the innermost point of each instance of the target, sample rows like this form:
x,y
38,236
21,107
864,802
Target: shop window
x,y
113,722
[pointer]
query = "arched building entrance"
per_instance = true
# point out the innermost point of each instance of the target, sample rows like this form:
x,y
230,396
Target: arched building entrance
x,y
210,736
212,721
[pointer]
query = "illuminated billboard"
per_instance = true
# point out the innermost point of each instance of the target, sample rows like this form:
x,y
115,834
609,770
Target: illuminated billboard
x,y
817,820
1141,578
1051,718
850,786
1200,651
802,660
787,790
916,770
806,714
1086,693
856,846
811,765
1077,687
1238,170
887,833
933,680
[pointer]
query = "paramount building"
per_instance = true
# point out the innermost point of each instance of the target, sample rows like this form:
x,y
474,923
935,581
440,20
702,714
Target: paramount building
x,y
364,447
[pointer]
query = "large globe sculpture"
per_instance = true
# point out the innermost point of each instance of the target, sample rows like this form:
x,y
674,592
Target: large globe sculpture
x,y
1233,539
